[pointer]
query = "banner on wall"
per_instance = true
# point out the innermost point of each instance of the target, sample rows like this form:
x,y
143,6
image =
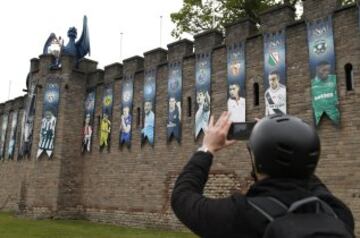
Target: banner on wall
x,y
49,118
4,125
275,73
322,70
202,92
236,82
88,120
147,132
105,123
21,142
12,141
127,92
174,101
358,5
27,125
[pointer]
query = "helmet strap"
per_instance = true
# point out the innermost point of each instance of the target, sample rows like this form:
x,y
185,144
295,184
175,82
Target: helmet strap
x,y
252,173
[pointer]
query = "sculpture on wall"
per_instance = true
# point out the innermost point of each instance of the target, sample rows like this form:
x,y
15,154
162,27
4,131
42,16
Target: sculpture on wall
x,y
147,132
55,45
48,121
105,123
202,92
12,141
174,101
236,82
322,70
88,120
275,73
127,91
4,125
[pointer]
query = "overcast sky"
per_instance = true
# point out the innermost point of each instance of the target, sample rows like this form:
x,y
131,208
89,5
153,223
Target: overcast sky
x,y
26,25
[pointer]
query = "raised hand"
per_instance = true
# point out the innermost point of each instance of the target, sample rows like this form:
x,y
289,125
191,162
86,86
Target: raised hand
x,y
216,133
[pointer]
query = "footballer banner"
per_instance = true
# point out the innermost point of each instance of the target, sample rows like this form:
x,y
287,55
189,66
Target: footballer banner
x,y
21,142
148,130
275,73
174,101
358,5
105,123
4,125
12,141
236,82
88,126
202,91
49,119
28,123
127,93
322,70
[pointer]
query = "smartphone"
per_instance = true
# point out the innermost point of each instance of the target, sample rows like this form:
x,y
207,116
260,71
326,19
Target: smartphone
x,y
240,130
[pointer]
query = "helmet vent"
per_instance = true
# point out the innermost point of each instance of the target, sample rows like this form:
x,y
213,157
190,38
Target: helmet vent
x,y
285,148
314,153
283,160
282,119
284,155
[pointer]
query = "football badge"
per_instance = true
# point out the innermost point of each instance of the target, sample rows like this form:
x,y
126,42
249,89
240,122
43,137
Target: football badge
x,y
90,102
320,47
107,100
274,58
202,72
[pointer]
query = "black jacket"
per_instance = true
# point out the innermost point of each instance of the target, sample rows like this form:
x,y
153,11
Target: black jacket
x,y
233,216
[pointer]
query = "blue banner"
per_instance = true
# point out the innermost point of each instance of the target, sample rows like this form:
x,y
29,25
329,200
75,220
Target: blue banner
x,y
105,123
12,141
147,132
322,70
174,101
275,73
27,126
127,93
49,118
4,125
202,92
22,132
358,5
89,106
236,82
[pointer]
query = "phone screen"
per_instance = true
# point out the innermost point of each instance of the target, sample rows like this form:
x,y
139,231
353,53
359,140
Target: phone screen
x,y
240,130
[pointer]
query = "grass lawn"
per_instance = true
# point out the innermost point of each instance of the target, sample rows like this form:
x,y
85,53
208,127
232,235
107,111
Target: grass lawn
x,y
14,227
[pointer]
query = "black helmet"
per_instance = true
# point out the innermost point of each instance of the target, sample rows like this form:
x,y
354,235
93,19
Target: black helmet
x,y
285,146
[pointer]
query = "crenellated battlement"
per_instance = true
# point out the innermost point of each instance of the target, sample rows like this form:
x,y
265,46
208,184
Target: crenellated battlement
x,y
277,18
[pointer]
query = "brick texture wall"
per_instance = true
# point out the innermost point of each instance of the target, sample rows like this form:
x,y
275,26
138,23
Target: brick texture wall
x,y
132,187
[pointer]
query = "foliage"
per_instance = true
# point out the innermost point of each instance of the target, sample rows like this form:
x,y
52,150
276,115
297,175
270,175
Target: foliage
x,y
345,2
12,227
197,16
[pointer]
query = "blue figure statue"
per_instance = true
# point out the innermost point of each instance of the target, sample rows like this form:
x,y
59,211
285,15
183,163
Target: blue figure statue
x,y
79,49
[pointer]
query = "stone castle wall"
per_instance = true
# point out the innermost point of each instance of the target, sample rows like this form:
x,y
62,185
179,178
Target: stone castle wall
x,y
132,187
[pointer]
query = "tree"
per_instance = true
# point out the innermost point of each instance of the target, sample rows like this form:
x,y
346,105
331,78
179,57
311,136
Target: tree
x,y
197,16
